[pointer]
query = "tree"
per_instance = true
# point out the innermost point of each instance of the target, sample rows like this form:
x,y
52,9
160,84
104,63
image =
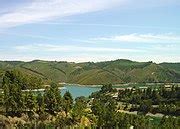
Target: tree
x,y
105,109
34,82
30,101
67,102
40,102
145,106
155,97
79,107
13,98
106,88
169,122
52,99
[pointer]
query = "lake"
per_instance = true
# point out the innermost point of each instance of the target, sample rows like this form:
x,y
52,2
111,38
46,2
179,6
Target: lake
x,y
77,90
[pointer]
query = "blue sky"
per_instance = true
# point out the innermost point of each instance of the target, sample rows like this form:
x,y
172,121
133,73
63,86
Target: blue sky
x,y
87,30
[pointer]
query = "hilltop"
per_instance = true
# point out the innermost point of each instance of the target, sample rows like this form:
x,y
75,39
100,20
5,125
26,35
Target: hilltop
x,y
117,71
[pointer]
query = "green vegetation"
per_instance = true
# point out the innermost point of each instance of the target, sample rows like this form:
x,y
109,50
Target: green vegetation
x,y
26,109
107,110
25,81
114,72
163,100
52,99
172,66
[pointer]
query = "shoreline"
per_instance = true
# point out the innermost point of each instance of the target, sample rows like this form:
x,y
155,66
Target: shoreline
x,y
123,85
80,85
43,89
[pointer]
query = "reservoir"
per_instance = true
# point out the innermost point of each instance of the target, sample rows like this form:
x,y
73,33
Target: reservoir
x,y
78,90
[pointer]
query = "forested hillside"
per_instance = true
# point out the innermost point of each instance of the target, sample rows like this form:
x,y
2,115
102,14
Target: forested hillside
x,y
172,66
118,71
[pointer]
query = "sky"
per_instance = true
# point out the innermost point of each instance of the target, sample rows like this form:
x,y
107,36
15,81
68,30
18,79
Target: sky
x,y
90,30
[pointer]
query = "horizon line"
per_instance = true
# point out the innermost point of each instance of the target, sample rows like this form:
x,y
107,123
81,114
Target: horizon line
x,y
83,61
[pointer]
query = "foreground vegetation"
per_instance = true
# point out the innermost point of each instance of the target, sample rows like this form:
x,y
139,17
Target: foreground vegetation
x,y
48,109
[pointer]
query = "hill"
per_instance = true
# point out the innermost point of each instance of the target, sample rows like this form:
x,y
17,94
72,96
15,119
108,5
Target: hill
x,y
118,71
172,66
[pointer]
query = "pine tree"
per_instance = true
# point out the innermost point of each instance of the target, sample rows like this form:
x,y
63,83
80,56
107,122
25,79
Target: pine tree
x,y
52,99
67,102
13,98
40,102
30,101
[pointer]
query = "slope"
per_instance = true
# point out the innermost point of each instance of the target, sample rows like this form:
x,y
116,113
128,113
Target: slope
x,y
117,71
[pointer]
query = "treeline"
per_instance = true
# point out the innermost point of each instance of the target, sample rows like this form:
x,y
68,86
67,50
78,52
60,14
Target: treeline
x,y
22,80
163,100
27,109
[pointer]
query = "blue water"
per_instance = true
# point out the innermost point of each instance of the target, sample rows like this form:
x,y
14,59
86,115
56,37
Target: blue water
x,y
78,91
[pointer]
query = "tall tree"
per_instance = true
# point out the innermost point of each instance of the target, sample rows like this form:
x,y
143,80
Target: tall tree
x,y
105,109
30,101
52,99
79,107
106,88
13,98
67,102
40,102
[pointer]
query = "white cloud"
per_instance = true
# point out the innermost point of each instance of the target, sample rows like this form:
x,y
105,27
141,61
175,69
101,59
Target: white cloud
x,y
108,25
29,36
64,48
143,38
135,4
42,10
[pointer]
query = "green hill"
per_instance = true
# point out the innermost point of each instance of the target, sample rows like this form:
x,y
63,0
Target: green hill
x,y
172,66
118,71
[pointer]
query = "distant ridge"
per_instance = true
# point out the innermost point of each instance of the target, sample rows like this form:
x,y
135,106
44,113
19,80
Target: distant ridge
x,y
90,73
